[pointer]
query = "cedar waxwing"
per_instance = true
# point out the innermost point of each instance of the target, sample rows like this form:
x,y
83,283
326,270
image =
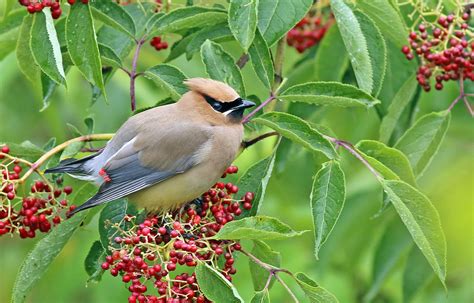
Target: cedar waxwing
x,y
169,155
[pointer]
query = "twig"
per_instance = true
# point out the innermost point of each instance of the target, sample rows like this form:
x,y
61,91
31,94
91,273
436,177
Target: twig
x,y
471,111
133,73
293,296
256,110
60,147
242,61
246,144
278,63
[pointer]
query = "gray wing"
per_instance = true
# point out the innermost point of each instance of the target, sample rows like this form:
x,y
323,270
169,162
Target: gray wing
x,y
128,174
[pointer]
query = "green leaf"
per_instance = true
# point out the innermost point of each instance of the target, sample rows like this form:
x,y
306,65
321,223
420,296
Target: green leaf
x,y
109,57
387,19
169,78
261,59
179,47
42,255
7,7
297,130
256,228
313,291
392,158
416,276
422,221
71,150
12,20
8,42
45,46
277,17
216,32
119,42
220,66
114,15
377,51
82,44
255,180
47,86
93,262
365,45
112,213
266,254
190,17
394,243
332,59
243,21
261,297
329,93
144,16
327,201
31,71
396,108
421,142
215,286
25,150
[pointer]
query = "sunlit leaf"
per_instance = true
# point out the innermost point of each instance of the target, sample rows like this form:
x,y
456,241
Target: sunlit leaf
x,y
243,21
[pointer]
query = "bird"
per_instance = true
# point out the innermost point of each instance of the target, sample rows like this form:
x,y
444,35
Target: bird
x,y
169,155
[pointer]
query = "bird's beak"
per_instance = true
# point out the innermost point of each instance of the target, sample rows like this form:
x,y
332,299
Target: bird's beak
x,y
245,104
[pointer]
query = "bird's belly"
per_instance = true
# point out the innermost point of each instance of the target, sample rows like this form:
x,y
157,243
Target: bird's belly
x,y
176,191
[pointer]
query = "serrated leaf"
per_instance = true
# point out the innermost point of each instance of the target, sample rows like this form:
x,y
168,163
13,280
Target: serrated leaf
x,y
217,32
327,201
422,221
12,20
30,69
243,21
93,262
392,246
256,228
387,19
421,142
329,93
190,17
297,130
25,150
332,59
255,180
112,213
261,59
82,44
390,157
114,15
314,292
42,255
396,108
109,57
45,46
169,78
220,66
261,297
215,286
277,17
266,254
416,275
377,51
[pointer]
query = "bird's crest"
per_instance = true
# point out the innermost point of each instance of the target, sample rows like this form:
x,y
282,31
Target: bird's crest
x,y
212,88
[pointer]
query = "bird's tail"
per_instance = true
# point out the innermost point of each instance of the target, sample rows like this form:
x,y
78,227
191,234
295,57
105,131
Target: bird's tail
x,y
72,166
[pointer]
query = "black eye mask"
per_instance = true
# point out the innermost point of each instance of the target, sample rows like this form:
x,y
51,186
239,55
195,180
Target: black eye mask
x,y
223,106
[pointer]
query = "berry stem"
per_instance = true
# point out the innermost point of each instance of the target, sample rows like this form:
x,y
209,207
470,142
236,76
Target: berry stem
x,y
350,148
471,111
246,144
293,296
255,111
62,146
133,73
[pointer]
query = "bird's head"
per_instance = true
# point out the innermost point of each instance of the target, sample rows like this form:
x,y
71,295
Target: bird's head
x,y
216,101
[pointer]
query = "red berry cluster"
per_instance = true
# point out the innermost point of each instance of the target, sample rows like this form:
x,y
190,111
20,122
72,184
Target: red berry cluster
x,y
158,44
147,254
39,210
72,2
36,6
443,49
308,32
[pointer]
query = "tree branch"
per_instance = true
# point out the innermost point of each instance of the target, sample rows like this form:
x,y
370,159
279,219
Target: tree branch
x,y
246,144
242,61
264,103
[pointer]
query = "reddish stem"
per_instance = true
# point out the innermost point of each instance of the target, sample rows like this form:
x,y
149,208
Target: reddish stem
x,y
133,73
256,110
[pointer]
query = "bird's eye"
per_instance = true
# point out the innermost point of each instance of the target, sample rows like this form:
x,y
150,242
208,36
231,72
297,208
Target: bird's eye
x,y
217,106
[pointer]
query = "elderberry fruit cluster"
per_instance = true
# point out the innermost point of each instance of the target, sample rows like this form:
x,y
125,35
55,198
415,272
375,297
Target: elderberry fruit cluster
x,y
158,43
36,6
444,50
41,208
152,256
308,32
